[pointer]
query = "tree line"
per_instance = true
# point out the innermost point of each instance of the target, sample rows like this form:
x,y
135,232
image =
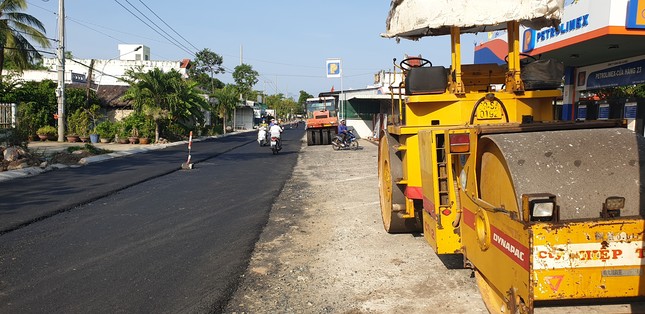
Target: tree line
x,y
163,103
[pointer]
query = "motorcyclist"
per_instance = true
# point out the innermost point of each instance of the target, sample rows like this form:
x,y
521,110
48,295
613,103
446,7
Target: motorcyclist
x,y
275,130
342,132
262,135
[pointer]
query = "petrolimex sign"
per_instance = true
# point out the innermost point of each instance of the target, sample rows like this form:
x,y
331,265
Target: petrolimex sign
x,y
636,14
533,37
615,73
333,68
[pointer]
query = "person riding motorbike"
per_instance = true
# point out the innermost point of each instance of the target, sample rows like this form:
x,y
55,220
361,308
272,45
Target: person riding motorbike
x,y
343,132
262,135
275,131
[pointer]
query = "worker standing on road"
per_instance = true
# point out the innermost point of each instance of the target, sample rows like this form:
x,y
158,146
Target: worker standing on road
x,y
342,131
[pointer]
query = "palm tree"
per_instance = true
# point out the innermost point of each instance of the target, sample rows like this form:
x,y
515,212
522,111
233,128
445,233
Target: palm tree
x,y
14,26
227,99
164,96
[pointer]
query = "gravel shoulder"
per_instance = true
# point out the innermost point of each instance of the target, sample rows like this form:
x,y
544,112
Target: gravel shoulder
x,y
324,249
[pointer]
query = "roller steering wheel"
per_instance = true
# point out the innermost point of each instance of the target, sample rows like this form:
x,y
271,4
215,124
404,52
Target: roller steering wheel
x,y
523,61
406,63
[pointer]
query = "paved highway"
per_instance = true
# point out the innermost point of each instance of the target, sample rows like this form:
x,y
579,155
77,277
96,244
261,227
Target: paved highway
x,y
136,234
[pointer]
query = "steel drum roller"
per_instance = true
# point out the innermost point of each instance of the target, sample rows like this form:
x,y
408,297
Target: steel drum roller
x,y
581,167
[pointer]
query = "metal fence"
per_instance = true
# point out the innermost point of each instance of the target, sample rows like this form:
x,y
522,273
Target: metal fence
x,y
7,116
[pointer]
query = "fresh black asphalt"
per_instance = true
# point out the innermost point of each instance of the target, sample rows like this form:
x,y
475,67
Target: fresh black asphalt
x,y
137,234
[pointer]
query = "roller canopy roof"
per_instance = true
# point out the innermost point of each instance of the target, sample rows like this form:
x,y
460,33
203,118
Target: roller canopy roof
x,y
413,19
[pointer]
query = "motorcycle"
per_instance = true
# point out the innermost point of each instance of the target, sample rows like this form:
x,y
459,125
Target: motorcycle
x,y
350,142
276,145
262,136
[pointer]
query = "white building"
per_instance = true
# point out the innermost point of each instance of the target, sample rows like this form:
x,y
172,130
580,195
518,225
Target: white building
x,y
106,72
243,116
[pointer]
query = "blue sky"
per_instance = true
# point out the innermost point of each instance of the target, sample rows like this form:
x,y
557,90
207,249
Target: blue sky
x,y
287,41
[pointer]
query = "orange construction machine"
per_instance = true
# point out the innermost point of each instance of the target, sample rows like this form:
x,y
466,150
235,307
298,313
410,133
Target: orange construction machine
x,y
322,120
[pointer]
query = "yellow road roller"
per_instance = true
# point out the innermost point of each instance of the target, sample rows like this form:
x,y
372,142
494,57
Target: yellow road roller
x,y
542,210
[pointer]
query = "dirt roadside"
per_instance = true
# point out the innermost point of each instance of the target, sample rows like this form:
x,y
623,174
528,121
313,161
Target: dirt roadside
x,y
324,249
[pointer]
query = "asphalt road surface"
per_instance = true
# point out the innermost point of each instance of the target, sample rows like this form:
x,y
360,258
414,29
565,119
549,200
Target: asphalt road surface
x,y
137,234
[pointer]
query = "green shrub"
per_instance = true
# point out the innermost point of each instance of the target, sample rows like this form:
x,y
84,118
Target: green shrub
x,y
78,123
95,115
47,130
147,129
106,129
30,116
133,123
121,129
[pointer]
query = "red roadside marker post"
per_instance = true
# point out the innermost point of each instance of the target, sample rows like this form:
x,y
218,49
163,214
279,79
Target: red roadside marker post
x,y
188,165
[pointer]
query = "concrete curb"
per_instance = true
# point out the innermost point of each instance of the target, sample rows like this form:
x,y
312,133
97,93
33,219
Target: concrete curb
x,y
31,171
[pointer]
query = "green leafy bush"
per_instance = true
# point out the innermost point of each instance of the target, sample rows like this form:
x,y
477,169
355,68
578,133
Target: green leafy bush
x,y
78,123
122,130
133,124
147,129
47,130
30,116
106,129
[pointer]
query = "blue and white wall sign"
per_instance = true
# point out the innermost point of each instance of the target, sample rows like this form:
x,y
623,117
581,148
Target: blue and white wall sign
x,y
619,75
615,73
582,112
630,110
603,111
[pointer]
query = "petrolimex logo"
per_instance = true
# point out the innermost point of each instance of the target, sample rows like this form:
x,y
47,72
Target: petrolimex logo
x,y
529,40
333,68
537,37
636,14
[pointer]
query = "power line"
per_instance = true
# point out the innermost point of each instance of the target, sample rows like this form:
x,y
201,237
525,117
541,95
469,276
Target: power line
x,y
144,22
182,37
93,29
287,64
43,8
296,75
87,24
155,24
44,48
27,33
172,39
95,69
32,50
317,76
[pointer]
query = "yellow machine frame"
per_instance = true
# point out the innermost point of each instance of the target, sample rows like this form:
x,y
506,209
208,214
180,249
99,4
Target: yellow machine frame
x,y
468,86
425,185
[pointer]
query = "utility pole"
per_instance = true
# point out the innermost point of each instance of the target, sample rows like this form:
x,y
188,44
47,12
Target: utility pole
x,y
60,90
241,95
89,83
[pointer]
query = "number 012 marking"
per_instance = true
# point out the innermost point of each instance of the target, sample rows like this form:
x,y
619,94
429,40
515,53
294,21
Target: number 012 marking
x,y
489,110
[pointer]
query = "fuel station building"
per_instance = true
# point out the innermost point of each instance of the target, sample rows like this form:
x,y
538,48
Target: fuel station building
x,y
602,45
